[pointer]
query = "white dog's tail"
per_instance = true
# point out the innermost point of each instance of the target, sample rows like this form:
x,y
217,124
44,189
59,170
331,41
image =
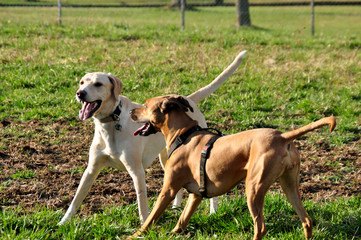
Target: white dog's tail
x,y
213,86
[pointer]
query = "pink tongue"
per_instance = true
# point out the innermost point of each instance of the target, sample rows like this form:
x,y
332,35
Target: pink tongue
x,y
86,110
139,130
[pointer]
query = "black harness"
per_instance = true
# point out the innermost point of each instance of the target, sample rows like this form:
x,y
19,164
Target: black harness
x,y
204,155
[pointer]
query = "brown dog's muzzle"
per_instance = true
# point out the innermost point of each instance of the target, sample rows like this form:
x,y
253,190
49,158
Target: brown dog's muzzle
x,y
132,115
146,129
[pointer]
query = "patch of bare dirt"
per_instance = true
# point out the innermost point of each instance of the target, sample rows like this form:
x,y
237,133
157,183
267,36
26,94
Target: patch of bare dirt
x,y
41,165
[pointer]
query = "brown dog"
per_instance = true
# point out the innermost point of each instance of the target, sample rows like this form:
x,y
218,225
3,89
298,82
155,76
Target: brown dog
x,y
261,156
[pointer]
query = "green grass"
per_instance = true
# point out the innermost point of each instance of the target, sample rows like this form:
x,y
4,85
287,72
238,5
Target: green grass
x,y
25,174
288,76
288,79
332,220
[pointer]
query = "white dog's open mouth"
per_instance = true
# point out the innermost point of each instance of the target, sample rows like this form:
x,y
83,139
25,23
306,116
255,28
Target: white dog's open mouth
x,y
88,109
145,130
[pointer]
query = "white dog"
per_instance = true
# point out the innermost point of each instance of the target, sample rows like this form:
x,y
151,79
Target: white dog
x,y
114,144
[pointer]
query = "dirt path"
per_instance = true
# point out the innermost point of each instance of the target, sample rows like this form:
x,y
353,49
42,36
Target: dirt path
x,y
43,164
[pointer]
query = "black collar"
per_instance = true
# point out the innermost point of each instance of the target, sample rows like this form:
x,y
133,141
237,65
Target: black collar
x,y
115,116
183,137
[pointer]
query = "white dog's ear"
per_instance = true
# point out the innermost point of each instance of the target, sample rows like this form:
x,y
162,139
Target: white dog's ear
x,y
117,85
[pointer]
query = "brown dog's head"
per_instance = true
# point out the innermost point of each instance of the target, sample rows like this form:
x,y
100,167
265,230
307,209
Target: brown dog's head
x,y
154,111
97,92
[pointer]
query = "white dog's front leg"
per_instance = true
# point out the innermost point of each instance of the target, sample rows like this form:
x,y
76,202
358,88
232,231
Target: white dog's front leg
x,y
163,158
138,177
87,180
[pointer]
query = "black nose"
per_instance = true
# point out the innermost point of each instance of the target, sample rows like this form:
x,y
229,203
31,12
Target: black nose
x,y
81,94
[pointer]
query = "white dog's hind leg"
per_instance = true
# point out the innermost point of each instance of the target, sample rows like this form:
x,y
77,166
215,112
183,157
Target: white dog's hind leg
x,y
87,180
213,205
177,202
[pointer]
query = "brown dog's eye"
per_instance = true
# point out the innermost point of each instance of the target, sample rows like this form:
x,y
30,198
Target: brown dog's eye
x,y
98,84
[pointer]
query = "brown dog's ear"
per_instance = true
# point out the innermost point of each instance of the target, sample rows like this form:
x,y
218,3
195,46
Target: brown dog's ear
x,y
175,102
117,85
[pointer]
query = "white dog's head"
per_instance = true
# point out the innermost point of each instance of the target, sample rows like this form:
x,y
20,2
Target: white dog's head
x,y
99,93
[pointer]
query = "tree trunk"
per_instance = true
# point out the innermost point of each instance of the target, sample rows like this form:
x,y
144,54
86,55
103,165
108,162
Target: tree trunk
x,y
219,2
243,16
176,3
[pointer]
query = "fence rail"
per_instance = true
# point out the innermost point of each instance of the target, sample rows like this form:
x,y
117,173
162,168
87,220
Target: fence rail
x,y
160,3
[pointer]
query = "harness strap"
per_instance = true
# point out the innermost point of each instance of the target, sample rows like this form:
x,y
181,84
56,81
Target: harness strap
x,y
204,156
181,139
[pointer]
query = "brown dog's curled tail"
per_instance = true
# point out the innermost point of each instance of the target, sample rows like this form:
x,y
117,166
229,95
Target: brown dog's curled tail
x,y
289,136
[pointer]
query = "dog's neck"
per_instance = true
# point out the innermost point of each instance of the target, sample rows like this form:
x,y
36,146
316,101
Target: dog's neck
x,y
109,108
172,129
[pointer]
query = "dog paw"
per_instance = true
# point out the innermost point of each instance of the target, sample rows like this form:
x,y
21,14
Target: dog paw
x,y
177,229
62,221
136,235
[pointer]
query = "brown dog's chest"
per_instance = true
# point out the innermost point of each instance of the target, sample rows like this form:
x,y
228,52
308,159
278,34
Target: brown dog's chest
x,y
225,167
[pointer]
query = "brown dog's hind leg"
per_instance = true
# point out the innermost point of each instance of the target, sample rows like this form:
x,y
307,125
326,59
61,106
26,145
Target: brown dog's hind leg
x,y
192,204
261,174
290,186
255,200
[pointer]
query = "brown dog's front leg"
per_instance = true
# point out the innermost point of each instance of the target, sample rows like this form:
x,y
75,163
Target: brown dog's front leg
x,y
164,199
192,204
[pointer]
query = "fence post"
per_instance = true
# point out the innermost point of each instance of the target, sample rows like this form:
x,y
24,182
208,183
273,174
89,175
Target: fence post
x,y
183,8
59,12
313,17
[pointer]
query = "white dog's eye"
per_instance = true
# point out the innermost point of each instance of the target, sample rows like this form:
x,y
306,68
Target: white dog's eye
x,y
81,82
98,84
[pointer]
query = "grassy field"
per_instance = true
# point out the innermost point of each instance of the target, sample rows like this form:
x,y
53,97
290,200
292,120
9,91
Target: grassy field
x,y
287,80
332,220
